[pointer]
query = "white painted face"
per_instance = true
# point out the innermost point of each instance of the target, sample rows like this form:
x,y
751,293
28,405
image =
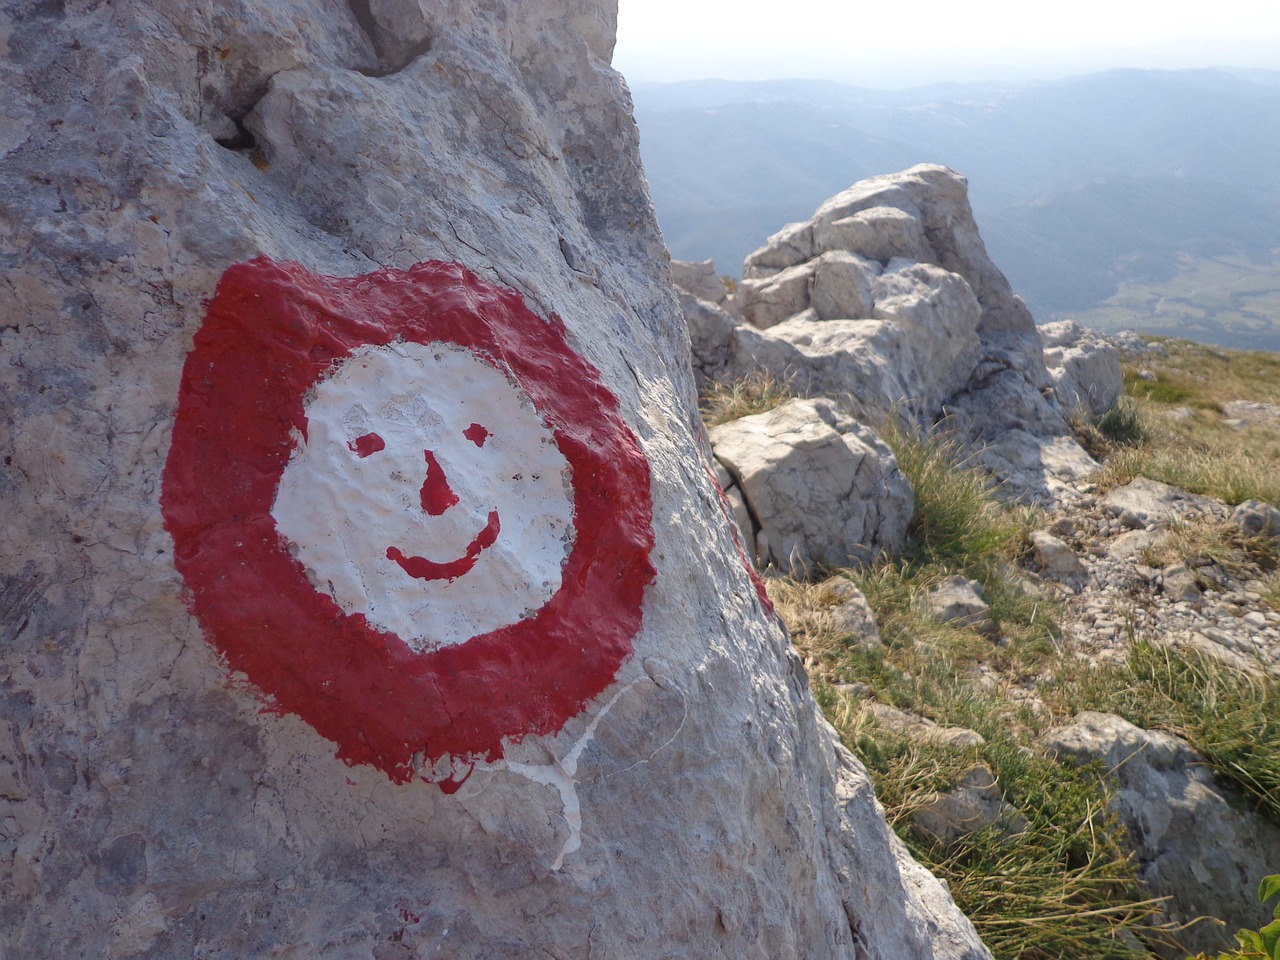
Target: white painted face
x,y
428,494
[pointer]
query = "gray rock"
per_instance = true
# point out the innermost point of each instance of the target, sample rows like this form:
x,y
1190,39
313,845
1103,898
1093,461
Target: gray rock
x,y
852,614
948,337
711,337
1241,414
1180,584
1193,840
919,349
1035,468
881,233
972,804
1136,544
909,725
1131,345
823,488
700,280
1084,366
741,515
842,286
154,802
1256,518
1144,503
1056,559
958,600
768,302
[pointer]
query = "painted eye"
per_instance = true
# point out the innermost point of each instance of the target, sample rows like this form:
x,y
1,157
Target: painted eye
x,y
369,443
477,434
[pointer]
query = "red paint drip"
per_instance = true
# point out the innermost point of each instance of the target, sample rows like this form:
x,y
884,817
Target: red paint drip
x,y
364,446
477,434
420,568
271,332
726,509
436,495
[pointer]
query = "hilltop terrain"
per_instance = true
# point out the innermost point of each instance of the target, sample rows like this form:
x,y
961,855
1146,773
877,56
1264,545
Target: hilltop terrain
x,y
1131,198
1032,572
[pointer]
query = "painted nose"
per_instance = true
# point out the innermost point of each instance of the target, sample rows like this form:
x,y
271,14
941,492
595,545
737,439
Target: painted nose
x,y
437,496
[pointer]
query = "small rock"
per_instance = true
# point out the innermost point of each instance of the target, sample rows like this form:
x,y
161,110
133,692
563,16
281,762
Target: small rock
x,y
855,691
700,280
823,487
1145,503
1057,560
918,728
852,613
1180,584
1192,839
1255,518
975,802
1136,544
958,600
1063,527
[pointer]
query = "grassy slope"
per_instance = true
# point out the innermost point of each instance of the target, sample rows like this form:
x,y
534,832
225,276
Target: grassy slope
x,y
1064,887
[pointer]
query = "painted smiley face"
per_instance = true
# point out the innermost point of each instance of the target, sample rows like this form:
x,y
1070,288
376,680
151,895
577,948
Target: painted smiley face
x,y
425,487
406,510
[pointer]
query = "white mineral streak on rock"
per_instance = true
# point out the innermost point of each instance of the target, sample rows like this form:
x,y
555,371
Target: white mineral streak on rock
x,y
344,510
561,772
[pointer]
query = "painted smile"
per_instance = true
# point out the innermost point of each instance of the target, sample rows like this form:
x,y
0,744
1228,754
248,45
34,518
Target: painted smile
x,y
420,568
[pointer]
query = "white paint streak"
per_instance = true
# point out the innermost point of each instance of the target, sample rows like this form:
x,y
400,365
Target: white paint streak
x,y
341,511
560,774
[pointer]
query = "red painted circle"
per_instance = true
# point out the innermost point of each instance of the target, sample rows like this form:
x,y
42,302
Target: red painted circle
x,y
271,332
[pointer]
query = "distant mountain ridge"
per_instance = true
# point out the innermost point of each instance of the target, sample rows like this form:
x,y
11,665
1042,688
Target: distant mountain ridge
x,y
1086,189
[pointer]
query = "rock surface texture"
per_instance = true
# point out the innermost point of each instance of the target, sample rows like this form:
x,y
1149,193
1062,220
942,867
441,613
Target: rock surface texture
x,y
152,803
1192,841
819,487
1084,365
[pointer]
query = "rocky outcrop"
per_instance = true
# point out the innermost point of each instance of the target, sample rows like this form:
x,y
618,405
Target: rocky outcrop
x,y
887,299
1193,841
255,247
700,280
1084,367
818,487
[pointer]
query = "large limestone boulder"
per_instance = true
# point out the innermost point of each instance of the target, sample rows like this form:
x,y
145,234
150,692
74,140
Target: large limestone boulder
x,y
820,487
947,235
256,253
1193,840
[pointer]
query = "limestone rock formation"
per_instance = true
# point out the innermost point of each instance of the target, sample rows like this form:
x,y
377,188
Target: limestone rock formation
x,y
261,178
1193,840
974,803
1142,504
1084,365
700,280
820,488
887,299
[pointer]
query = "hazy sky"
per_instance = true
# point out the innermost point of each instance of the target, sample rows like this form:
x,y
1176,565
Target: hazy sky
x,y
928,40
